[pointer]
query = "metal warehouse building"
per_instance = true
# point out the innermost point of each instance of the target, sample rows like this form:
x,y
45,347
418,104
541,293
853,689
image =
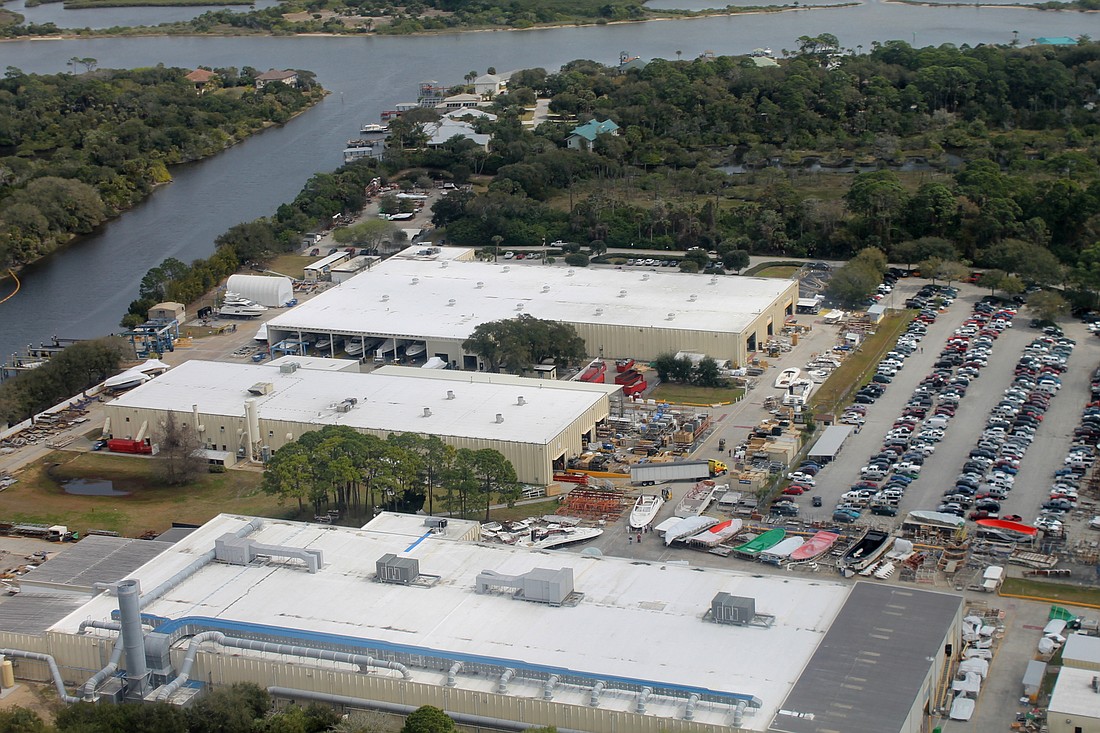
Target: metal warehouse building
x,y
403,612
248,410
438,296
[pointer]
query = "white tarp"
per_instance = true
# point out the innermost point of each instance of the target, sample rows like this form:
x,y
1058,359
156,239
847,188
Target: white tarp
x,y
979,667
710,538
128,378
962,708
274,292
434,363
1047,645
687,527
153,365
783,550
1055,627
971,682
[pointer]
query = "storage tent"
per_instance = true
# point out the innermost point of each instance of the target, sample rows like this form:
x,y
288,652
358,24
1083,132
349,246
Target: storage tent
x,y
274,292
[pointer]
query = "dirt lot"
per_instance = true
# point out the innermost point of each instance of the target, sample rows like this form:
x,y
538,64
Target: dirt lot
x,y
148,505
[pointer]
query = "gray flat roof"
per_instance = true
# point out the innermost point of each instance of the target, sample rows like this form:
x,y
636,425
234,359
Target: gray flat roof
x,y
30,613
830,441
869,668
95,559
1082,649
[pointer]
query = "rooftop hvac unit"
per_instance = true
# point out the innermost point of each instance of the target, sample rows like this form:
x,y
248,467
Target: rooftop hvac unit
x,y
437,524
730,609
261,388
400,570
288,368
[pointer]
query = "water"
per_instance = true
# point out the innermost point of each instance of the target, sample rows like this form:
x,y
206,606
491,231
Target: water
x,y
115,17
92,487
84,290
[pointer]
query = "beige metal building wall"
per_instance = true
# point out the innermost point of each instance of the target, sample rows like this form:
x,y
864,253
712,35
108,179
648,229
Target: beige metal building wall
x,y
532,461
917,722
224,669
613,341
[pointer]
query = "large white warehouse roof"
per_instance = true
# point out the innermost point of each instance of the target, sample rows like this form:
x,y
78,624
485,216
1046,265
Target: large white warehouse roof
x,y
637,621
394,400
446,297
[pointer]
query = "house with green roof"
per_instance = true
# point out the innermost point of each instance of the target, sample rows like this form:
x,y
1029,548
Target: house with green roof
x,y
583,136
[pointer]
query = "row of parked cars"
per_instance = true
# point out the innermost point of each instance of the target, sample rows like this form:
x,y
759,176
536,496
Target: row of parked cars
x,y
803,480
909,441
1077,463
990,470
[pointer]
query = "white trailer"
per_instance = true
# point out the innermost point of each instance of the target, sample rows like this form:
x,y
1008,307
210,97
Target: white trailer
x,y
647,474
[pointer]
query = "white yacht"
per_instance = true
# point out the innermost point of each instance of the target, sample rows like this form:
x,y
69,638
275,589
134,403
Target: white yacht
x,y
236,305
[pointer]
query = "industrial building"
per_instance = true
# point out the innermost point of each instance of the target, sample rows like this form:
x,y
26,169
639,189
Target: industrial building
x,y
1075,701
413,610
436,297
251,410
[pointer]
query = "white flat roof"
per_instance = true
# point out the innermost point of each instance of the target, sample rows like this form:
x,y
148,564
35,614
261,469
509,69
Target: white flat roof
x,y
446,299
389,401
639,621
1073,694
319,363
1081,648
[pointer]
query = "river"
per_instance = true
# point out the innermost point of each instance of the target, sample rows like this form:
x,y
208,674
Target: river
x,y
84,290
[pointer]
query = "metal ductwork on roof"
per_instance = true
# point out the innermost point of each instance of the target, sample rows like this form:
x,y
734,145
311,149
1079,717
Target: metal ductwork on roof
x,y
363,662
241,551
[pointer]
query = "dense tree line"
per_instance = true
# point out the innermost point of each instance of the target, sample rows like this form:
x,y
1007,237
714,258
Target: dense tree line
x,y
515,344
1009,135
339,467
81,147
73,370
671,368
323,195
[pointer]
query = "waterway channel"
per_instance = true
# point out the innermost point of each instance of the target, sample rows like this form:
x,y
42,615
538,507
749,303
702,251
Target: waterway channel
x,y
84,290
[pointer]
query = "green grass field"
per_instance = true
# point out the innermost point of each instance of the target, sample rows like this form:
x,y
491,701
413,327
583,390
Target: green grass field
x,y
682,394
857,367
783,271
39,496
1054,591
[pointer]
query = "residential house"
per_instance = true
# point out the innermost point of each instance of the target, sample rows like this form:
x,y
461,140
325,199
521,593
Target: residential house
x,y
440,132
459,101
288,77
583,136
488,86
202,79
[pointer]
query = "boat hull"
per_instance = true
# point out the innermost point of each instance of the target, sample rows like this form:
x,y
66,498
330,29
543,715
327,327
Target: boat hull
x,y
645,511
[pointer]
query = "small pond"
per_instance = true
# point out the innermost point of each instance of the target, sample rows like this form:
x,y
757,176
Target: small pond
x,y
92,487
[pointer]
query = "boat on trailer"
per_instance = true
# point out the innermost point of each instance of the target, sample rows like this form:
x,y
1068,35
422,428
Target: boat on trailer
x,y
645,510
786,378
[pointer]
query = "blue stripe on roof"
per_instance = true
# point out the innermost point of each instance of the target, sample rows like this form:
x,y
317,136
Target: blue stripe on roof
x,y
232,628
425,536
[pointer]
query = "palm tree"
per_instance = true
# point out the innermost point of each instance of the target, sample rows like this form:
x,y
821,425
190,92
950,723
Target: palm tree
x,y
496,239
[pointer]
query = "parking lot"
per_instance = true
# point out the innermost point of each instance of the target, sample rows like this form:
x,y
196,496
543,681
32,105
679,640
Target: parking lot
x,y
1042,458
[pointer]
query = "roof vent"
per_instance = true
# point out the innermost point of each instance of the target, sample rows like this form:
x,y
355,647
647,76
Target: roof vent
x,y
622,293
714,280
479,284
451,302
569,273
427,412
645,276
599,311
737,611
670,316
385,298
500,418
519,306
450,394
692,298
520,401
415,280
546,288
444,264
406,570
507,268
